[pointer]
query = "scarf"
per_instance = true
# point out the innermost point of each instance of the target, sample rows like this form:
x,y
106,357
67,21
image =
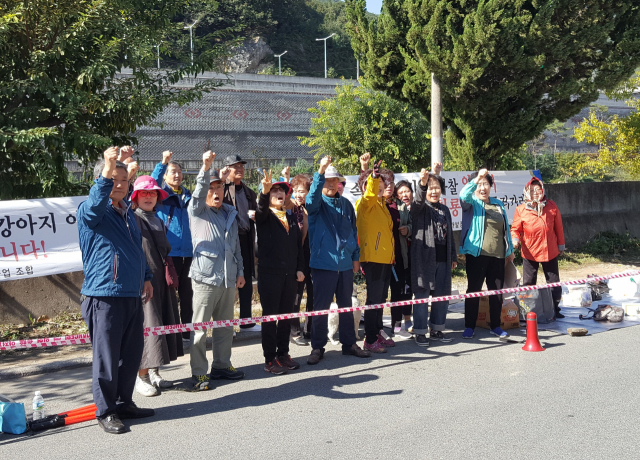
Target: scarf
x,y
536,206
281,214
439,219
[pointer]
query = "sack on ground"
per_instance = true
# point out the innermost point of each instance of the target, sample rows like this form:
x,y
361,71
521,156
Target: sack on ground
x,y
508,315
608,313
12,417
539,302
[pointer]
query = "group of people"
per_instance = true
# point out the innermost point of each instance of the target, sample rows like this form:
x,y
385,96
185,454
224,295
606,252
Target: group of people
x,y
156,254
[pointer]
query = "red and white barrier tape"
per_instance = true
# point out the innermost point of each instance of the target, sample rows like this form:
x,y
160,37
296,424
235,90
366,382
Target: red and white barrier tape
x,y
178,328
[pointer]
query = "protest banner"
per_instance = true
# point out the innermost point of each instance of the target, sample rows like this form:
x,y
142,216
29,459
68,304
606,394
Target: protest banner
x,y
39,237
507,187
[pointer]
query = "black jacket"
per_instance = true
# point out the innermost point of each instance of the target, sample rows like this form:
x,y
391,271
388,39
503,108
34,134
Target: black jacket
x,y
252,200
278,251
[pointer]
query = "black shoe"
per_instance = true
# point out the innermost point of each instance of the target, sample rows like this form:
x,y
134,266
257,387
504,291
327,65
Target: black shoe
x,y
315,356
422,340
130,410
247,326
199,383
559,315
230,373
112,424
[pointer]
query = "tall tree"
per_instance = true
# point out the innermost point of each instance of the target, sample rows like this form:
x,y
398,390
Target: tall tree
x,y
507,68
61,98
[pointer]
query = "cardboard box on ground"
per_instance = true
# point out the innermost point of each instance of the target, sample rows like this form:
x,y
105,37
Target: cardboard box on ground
x,y
509,317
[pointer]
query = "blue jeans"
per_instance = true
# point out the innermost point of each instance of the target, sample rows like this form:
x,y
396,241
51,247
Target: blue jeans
x,y
421,320
326,283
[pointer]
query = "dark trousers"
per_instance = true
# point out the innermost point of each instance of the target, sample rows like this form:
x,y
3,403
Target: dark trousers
x,y
245,293
400,290
277,295
185,291
295,323
551,274
378,277
115,327
326,284
478,269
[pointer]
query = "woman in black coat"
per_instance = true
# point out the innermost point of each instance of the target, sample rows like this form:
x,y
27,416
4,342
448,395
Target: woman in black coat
x,y
280,268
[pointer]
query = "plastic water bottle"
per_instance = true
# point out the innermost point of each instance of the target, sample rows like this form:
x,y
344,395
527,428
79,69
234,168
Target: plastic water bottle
x,y
38,407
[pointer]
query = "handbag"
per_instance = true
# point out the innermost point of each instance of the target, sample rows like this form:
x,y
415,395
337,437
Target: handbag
x,y
13,418
605,313
170,274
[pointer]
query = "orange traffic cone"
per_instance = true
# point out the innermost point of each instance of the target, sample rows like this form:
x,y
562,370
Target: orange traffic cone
x,y
533,343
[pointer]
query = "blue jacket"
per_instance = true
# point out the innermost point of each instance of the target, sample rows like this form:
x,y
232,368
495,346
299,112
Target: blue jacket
x,y
112,257
472,235
333,235
178,231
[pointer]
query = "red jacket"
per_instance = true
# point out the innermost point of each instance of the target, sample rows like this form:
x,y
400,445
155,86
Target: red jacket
x,y
541,237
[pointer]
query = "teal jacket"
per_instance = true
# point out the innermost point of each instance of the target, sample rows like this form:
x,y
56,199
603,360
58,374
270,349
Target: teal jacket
x,y
472,235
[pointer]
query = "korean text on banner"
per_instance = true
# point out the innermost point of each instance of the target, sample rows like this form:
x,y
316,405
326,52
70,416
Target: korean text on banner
x,y
507,186
39,237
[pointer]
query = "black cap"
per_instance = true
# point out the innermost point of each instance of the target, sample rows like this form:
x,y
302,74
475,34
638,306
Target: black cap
x,y
215,175
232,160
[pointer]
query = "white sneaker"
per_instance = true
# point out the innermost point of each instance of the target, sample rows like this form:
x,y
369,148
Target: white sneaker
x,y
157,380
403,334
144,387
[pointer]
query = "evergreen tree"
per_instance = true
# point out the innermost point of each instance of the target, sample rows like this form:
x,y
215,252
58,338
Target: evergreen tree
x,y
507,68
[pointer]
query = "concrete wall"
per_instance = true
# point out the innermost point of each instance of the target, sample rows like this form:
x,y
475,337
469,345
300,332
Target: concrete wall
x,y
589,208
586,210
45,295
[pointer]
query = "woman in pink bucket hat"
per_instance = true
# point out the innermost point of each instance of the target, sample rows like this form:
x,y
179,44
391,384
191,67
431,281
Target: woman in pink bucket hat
x,y
162,309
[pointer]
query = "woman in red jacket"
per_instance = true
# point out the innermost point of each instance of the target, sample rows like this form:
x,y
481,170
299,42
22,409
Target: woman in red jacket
x,y
537,228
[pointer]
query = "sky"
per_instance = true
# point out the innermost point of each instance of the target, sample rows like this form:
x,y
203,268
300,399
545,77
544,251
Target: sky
x,y
374,6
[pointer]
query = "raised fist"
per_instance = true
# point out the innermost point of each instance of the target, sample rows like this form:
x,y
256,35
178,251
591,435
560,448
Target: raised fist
x,y
437,168
132,169
207,159
126,152
166,157
364,161
324,164
424,177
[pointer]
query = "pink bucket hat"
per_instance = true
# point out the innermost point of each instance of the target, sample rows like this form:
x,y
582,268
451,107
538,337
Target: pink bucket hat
x,y
147,183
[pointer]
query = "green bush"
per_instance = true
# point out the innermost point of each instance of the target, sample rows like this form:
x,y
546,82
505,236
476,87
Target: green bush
x,y
611,243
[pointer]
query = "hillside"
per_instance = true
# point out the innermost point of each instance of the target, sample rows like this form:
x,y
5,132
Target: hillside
x,y
291,25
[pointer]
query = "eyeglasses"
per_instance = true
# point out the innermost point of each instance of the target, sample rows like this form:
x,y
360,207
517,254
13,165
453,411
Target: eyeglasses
x,y
147,193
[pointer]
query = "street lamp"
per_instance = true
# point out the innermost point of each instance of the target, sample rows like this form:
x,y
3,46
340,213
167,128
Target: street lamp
x,y
325,52
279,66
191,37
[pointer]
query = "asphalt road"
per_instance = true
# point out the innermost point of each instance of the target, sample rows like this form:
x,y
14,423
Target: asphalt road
x,y
468,399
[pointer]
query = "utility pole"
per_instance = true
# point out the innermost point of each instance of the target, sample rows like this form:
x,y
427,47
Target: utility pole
x,y
325,52
191,37
357,69
279,66
436,122
158,48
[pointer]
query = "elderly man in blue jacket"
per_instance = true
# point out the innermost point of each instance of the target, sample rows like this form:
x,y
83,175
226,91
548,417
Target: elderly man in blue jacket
x,y
116,284
335,257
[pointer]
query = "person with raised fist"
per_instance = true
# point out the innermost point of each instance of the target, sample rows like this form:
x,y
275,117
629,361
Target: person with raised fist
x,y
335,257
173,212
216,272
117,282
433,257
375,231
486,243
280,269
240,196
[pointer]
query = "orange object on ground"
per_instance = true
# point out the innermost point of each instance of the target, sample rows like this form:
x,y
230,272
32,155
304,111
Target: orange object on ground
x,y
79,418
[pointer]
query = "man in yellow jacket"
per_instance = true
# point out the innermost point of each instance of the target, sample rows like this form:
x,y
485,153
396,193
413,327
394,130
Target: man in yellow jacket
x,y
375,234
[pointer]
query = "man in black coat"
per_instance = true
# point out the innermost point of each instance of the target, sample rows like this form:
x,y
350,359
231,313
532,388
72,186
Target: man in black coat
x,y
239,195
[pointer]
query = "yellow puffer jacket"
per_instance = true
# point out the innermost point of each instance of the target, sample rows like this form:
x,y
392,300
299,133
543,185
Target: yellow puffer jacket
x,y
375,227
